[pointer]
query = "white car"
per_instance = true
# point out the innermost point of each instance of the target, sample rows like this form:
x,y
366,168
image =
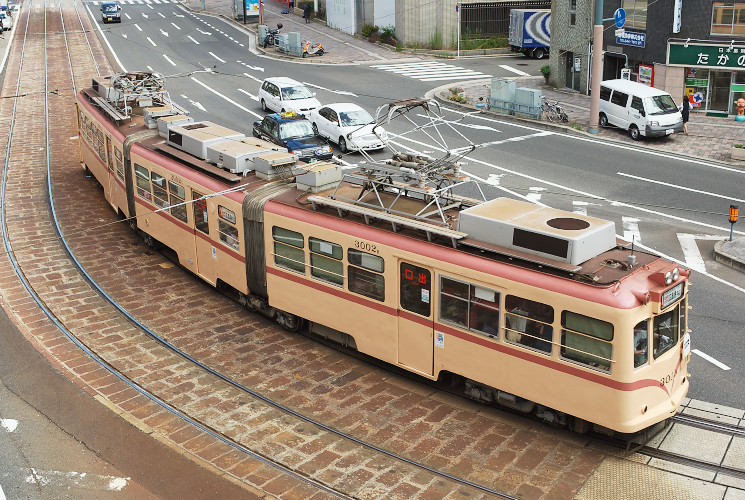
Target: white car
x,y
282,94
348,125
7,21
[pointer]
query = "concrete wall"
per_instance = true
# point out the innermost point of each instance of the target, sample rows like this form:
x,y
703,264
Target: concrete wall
x,y
566,38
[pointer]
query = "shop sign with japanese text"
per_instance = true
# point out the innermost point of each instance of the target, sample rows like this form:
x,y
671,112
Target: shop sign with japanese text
x,y
706,55
633,39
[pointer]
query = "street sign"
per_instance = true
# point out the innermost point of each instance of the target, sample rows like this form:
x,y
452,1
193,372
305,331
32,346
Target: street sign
x,y
620,17
620,32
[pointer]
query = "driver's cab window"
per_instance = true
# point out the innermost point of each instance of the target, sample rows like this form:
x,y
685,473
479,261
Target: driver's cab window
x,y
416,289
665,331
641,343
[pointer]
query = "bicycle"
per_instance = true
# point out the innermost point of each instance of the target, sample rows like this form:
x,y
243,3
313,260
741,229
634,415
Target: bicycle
x,y
553,112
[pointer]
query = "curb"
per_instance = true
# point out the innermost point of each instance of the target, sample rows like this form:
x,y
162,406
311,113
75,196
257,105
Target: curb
x,y
727,259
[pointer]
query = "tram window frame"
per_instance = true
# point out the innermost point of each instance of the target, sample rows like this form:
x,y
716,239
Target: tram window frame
x,y
226,229
289,249
326,261
481,311
119,161
641,343
572,337
142,177
414,297
201,217
177,200
529,323
160,190
658,349
365,274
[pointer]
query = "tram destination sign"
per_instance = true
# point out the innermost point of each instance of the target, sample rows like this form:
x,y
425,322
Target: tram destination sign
x,y
706,55
671,295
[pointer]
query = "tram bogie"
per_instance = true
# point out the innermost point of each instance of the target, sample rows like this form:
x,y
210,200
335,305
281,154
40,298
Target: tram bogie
x,y
535,309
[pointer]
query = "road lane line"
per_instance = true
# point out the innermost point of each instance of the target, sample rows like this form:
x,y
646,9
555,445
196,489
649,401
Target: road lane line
x,y
213,55
691,252
678,186
231,101
175,26
169,60
190,38
631,229
138,26
149,40
711,360
2,495
254,97
514,70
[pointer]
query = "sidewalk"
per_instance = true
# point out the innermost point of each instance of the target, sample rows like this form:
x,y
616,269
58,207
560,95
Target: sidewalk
x,y
709,138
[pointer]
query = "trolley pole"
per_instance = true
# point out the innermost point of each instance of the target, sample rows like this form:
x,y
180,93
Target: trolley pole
x,y
597,68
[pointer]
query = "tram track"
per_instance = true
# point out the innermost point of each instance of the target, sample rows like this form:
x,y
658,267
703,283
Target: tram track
x,y
23,259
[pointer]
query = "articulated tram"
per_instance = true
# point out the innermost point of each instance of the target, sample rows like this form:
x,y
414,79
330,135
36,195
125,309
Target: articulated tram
x,y
533,308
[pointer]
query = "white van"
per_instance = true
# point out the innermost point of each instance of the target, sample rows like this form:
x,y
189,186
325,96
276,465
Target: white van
x,y
642,110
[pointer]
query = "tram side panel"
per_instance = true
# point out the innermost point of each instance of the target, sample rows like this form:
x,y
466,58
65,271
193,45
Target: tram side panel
x,y
178,207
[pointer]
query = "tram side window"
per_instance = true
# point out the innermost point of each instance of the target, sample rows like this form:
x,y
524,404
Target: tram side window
x,y
201,222
177,199
365,274
586,340
119,162
160,195
228,232
528,323
641,343
469,306
143,182
415,289
325,261
665,331
288,249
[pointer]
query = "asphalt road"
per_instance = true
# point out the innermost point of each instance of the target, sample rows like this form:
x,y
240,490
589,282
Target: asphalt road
x,y
665,203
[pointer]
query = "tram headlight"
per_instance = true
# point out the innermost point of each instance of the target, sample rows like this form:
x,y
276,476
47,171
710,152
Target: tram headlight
x,y
676,274
668,278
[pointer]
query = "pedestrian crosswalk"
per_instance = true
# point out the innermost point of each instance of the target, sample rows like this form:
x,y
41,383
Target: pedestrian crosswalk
x,y
427,71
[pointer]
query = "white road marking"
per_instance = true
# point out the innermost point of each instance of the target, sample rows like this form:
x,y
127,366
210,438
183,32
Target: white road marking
x,y
127,16
430,71
255,68
149,68
103,35
516,139
213,55
145,15
190,38
2,494
164,33
343,92
254,97
68,479
161,15
124,35
175,26
691,252
169,60
253,77
535,194
631,229
579,207
138,26
711,360
204,32
9,424
678,186
514,70
226,98
151,41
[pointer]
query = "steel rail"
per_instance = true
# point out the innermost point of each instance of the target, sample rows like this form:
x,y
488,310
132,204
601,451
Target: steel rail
x,y
708,424
40,302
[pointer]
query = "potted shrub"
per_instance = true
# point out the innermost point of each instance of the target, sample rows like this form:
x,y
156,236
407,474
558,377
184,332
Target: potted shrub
x,y
546,71
738,152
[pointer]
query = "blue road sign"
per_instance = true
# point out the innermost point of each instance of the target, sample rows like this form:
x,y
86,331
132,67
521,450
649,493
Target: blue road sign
x,y
620,17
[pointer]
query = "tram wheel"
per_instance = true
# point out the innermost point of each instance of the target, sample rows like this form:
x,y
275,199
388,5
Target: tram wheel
x,y
288,321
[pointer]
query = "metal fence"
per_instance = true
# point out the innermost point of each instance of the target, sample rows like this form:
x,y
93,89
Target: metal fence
x,y
492,19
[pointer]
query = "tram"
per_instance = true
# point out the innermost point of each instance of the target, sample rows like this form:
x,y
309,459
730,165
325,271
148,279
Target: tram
x,y
537,309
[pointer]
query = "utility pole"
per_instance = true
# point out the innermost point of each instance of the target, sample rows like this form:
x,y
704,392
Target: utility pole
x,y
597,68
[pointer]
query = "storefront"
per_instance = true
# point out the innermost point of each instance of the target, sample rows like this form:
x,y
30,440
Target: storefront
x,y
714,72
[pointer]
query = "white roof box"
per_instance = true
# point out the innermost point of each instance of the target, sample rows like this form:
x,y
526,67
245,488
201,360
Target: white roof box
x,y
194,138
237,156
544,231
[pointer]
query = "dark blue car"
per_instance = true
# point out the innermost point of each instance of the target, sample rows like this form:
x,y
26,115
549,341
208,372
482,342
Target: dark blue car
x,y
295,133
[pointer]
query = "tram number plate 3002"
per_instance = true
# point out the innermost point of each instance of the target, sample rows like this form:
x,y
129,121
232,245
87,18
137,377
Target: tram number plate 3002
x,y
672,295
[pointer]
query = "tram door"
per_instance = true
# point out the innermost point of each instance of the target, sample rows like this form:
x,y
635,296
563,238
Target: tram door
x,y
205,250
416,327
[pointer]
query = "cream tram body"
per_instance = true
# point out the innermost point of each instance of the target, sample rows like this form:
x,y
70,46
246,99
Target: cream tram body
x,y
417,304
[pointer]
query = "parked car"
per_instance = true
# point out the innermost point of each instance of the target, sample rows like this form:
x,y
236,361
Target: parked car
x,y
295,133
282,94
7,21
349,126
111,12
638,108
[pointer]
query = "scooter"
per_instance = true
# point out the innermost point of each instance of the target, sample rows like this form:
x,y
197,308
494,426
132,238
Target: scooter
x,y
313,49
271,35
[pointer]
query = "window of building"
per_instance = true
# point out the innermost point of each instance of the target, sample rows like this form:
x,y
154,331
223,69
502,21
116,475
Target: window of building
x,y
288,249
325,261
665,331
201,221
365,274
728,18
572,12
586,340
416,288
469,306
636,13
160,195
528,323
142,176
177,198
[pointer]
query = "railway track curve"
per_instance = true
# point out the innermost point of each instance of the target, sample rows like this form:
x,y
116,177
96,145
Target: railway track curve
x,y
121,351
